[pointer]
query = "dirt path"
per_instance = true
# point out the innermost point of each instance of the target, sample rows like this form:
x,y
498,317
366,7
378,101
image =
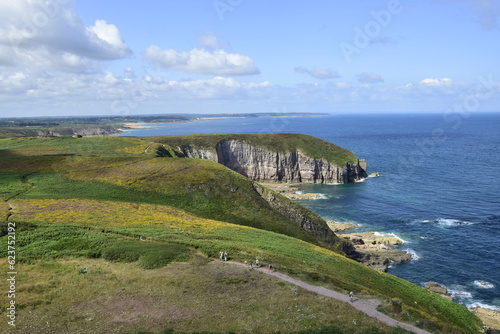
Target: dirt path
x,y
368,309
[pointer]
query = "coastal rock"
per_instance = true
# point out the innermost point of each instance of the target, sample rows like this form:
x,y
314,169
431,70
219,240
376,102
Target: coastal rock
x,y
340,227
439,289
291,191
372,251
302,196
374,238
261,164
490,318
380,258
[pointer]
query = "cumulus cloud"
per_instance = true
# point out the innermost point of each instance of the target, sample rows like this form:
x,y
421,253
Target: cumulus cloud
x,y
433,86
369,78
48,34
436,82
318,72
200,61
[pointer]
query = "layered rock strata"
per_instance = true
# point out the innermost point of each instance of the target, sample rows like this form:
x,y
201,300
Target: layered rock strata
x,y
261,164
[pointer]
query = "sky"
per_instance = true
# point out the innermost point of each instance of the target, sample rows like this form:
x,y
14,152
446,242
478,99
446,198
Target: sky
x,y
89,57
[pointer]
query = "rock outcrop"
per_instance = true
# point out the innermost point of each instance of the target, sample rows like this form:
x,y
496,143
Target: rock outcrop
x,y
306,219
263,164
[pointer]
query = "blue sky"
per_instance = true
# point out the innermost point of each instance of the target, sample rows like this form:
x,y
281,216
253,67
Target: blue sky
x,y
64,57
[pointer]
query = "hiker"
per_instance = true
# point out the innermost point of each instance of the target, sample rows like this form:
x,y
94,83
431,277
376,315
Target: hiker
x,y
270,267
257,263
251,264
221,255
225,256
351,296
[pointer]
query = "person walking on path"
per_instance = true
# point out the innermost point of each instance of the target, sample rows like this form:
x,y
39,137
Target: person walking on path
x,y
351,296
257,263
225,256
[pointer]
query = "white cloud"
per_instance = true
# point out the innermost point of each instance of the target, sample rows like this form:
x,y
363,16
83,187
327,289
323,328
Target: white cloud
x,y
16,83
369,78
49,35
433,86
199,61
437,82
318,72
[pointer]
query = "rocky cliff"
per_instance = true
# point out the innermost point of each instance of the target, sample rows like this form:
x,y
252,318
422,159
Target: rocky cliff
x,y
260,162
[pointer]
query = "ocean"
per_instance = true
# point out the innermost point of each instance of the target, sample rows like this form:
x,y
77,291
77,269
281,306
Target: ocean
x,y
439,188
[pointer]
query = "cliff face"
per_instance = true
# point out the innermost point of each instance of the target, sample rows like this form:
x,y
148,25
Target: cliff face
x,y
261,164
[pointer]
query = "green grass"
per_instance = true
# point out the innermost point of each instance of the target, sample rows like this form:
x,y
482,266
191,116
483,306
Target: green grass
x,y
60,189
51,242
88,146
78,295
201,187
149,255
289,255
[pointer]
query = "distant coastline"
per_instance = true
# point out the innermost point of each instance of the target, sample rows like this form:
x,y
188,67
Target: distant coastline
x,y
111,125
144,122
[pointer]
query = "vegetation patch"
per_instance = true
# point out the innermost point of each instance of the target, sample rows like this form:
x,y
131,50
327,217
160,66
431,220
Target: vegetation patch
x,y
149,255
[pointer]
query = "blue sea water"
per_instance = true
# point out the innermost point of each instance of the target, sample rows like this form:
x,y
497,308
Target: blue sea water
x,y
439,190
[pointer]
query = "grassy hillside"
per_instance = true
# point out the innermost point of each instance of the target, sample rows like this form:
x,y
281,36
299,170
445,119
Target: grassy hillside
x,y
81,206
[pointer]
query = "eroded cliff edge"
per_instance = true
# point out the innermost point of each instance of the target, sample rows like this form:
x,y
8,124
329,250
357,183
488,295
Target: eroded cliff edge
x,y
271,157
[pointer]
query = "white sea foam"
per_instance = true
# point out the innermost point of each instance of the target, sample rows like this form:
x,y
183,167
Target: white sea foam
x,y
383,234
360,180
447,222
414,255
464,297
459,293
474,304
444,222
483,284
321,196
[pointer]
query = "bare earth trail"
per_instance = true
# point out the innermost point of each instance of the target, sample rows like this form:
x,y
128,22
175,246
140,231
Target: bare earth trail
x,y
358,304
